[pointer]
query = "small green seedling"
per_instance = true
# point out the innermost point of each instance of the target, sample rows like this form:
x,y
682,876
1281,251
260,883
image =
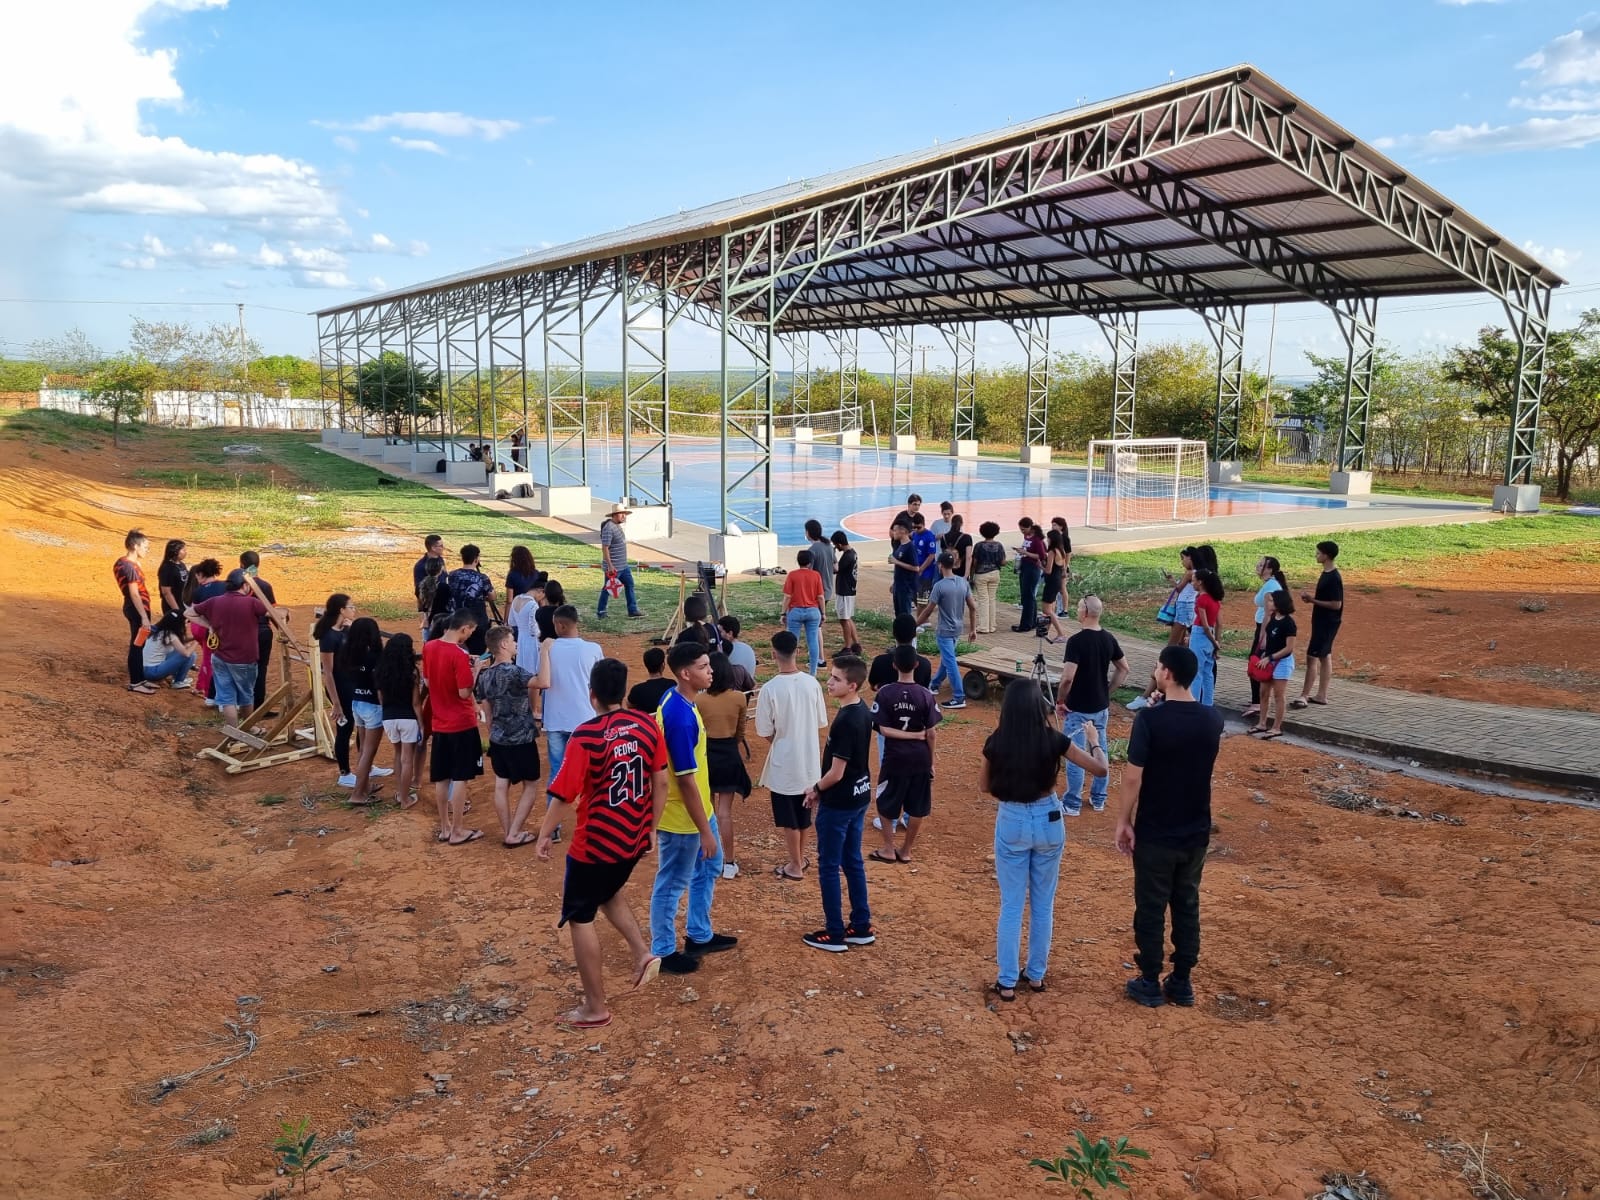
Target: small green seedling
x,y
296,1151
1092,1168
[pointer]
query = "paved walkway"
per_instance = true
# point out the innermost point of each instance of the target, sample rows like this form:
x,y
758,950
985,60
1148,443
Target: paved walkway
x,y
1550,746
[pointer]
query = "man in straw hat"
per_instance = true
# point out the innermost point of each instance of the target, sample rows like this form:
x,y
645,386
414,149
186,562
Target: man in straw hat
x,y
614,560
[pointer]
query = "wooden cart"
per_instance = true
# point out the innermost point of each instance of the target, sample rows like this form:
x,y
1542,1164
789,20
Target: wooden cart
x,y
982,669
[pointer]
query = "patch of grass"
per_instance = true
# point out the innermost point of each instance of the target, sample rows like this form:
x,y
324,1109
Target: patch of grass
x,y
210,1135
61,429
271,801
1131,584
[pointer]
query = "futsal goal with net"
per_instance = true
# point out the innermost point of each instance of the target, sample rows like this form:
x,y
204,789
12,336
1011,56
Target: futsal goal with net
x,y
828,425
1138,482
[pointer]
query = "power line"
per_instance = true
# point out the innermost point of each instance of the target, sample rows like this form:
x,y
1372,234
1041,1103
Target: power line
x,y
158,303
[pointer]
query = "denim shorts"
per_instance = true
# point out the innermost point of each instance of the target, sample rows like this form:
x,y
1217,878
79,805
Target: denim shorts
x,y
1284,668
235,682
366,715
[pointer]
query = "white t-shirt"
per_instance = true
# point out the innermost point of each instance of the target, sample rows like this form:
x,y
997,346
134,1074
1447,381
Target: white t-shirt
x,y
793,707
566,701
522,610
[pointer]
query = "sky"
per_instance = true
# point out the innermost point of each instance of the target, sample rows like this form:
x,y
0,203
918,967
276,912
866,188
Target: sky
x,y
171,159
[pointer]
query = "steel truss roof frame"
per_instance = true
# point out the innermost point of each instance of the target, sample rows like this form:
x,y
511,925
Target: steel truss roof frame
x,y
1208,195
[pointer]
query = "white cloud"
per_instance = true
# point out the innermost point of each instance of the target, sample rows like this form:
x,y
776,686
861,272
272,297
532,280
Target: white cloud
x,y
76,138
1561,69
1556,257
381,242
423,144
376,283
1565,61
348,144
268,257
324,279
1467,3
416,248
440,124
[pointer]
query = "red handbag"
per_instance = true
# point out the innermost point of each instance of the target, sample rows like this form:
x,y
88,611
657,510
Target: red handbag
x,y
1259,666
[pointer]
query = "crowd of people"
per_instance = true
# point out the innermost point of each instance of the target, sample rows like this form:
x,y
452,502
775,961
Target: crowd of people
x,y
659,767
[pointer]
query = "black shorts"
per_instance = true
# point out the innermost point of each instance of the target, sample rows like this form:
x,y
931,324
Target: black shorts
x,y
589,886
911,794
1321,644
455,757
790,812
1052,588
516,762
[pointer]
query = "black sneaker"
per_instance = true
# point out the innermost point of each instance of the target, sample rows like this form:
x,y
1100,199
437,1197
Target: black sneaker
x,y
1178,991
719,941
823,940
1141,991
680,964
860,937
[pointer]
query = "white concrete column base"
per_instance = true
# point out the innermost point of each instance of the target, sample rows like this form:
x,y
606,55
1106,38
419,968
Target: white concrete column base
x,y
964,448
649,521
1350,483
373,447
466,474
330,436
508,481
903,443
426,462
557,501
850,437
1036,456
350,439
804,433
1516,497
1226,471
745,552
398,454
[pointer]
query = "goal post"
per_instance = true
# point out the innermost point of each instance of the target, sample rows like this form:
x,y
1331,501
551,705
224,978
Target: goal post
x,y
1135,483
826,425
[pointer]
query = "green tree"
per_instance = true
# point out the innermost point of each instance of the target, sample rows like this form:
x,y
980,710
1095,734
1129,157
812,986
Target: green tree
x,y
70,354
1570,404
121,388
301,376
384,386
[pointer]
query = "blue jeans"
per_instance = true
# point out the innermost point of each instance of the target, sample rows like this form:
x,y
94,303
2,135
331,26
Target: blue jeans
x,y
1073,728
1028,580
626,575
1027,859
809,620
555,744
175,666
903,596
947,667
1205,680
839,848
680,867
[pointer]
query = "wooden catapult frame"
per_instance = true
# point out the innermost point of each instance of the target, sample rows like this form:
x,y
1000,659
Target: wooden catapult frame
x,y
287,739
676,623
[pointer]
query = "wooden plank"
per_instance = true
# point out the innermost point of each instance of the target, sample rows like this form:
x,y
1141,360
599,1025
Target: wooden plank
x,y
1007,666
243,738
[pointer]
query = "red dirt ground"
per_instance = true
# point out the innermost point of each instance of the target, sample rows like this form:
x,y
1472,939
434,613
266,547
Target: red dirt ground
x,y
1371,987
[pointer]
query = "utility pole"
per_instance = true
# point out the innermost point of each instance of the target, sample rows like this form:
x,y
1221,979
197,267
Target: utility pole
x,y
244,367
924,352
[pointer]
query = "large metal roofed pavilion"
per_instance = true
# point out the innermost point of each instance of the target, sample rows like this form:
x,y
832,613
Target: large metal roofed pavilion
x,y
1211,195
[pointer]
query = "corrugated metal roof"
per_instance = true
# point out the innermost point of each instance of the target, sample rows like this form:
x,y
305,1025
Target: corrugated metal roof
x,y
1224,167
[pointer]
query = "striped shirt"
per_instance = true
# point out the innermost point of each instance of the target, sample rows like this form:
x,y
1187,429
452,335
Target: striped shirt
x,y
607,776
613,545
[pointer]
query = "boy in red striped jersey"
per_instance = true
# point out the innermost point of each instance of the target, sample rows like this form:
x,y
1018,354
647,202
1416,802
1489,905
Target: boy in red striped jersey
x,y
614,775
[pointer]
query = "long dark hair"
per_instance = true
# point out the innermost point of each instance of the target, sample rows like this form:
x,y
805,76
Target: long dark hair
x,y
1204,556
954,535
721,673
330,614
522,561
362,645
554,594
1210,583
173,547
1272,565
396,675
202,572
1023,744
1055,542
1282,600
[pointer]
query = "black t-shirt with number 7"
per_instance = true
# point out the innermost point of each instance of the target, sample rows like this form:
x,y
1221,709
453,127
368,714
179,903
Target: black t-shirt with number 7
x,y
850,738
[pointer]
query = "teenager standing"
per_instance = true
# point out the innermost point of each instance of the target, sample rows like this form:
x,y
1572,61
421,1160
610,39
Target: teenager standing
x,y
723,709
988,556
1165,826
1277,650
802,608
129,574
904,714
844,591
839,800
1327,612
1205,634
904,566
953,600
1021,761
1270,573
1092,668
790,709
456,757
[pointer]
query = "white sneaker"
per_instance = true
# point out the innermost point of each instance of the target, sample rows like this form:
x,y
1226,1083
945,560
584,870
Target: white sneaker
x,y
380,772
347,781
730,870
1137,703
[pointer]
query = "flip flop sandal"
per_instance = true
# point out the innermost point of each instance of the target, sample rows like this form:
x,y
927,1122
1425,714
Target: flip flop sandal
x,y
473,836
782,874
144,689
648,974
574,1024
1257,729
877,856
1270,734
1322,702
1298,703
525,840
1000,990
